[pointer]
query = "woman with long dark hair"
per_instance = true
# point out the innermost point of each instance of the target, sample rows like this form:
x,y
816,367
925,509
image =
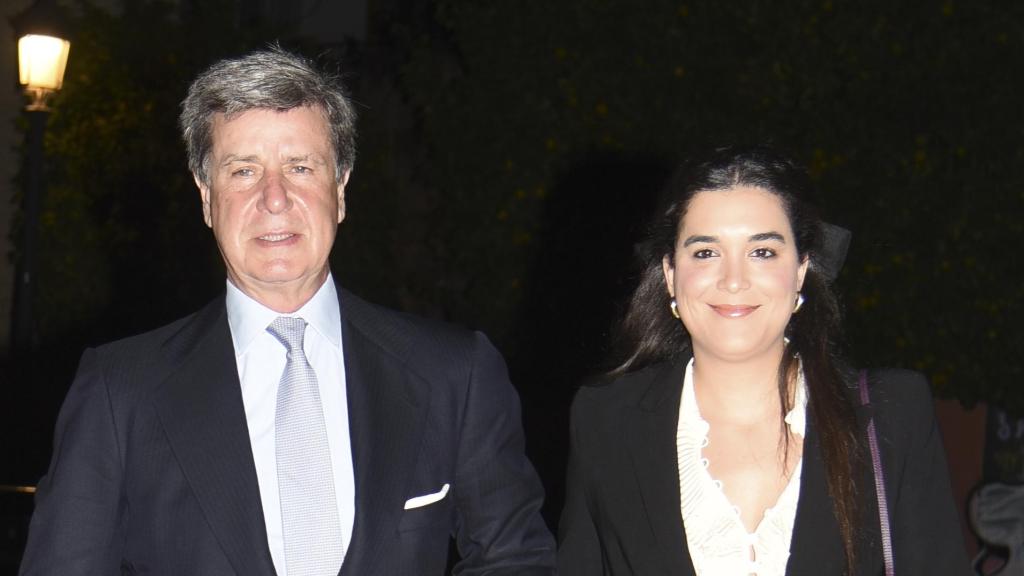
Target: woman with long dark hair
x,y
731,438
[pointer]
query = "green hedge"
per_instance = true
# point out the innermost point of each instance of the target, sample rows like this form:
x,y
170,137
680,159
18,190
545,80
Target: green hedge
x,y
509,148
909,115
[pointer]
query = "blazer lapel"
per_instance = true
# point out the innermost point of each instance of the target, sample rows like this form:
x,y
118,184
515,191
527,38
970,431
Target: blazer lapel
x,y
651,442
387,408
200,407
815,545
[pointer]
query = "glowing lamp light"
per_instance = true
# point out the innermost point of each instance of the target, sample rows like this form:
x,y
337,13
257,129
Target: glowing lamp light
x,y
41,61
42,32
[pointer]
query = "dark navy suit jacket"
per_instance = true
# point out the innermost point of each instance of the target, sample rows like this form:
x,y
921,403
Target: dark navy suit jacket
x,y
152,471
622,513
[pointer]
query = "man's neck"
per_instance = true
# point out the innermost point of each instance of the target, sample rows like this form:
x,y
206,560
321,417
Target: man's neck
x,y
281,298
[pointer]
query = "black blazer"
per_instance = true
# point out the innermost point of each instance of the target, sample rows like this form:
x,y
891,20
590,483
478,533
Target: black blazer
x,y
152,470
622,513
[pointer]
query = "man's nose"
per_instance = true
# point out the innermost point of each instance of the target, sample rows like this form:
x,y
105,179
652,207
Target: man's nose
x,y
274,194
734,275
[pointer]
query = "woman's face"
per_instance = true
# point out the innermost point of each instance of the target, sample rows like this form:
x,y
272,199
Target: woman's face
x,y
736,272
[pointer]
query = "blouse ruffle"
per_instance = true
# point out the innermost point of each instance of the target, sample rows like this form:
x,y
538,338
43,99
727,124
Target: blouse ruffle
x,y
718,542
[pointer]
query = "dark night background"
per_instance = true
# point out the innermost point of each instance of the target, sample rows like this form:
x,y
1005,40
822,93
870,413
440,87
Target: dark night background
x,y
509,154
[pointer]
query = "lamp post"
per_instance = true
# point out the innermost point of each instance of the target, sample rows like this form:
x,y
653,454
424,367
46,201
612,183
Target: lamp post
x,y
42,56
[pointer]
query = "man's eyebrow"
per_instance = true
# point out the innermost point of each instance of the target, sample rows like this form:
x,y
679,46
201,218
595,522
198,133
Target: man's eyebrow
x,y
236,158
701,239
311,157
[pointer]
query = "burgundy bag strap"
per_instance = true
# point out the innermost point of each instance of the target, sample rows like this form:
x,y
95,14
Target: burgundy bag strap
x,y
876,463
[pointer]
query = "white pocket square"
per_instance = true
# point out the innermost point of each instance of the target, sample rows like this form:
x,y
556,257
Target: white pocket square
x,y
420,501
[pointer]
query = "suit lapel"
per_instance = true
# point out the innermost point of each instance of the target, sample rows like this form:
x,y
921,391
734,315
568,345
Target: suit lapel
x,y
815,545
387,408
200,407
651,442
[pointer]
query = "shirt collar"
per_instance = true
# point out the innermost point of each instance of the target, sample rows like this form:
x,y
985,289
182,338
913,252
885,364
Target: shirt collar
x,y
796,418
249,319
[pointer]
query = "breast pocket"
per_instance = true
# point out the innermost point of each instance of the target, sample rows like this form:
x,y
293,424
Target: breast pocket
x,y
433,514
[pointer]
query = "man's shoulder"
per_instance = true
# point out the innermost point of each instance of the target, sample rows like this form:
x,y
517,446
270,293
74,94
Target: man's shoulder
x,y
397,330
408,337
163,344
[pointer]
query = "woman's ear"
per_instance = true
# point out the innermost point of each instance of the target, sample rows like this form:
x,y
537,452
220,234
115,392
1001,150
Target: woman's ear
x,y
801,272
670,275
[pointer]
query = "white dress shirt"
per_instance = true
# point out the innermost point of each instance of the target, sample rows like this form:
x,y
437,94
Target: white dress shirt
x,y
261,359
718,541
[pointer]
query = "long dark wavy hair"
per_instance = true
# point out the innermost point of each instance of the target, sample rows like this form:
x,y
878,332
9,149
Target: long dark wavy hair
x,y
649,334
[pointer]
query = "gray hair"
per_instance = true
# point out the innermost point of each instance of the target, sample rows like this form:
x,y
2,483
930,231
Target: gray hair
x,y
270,79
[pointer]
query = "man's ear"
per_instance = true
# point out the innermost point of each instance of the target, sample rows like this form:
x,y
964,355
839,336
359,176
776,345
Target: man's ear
x,y
204,195
341,194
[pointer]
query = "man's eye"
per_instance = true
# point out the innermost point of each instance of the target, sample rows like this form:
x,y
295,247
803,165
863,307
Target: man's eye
x,y
302,169
763,253
243,172
703,253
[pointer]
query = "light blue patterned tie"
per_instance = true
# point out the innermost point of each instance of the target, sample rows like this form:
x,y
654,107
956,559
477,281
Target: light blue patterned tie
x,y
309,511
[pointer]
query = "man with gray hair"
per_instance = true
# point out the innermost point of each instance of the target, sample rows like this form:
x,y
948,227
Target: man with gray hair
x,y
288,427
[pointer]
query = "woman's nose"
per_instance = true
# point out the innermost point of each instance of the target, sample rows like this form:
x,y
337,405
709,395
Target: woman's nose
x,y
734,276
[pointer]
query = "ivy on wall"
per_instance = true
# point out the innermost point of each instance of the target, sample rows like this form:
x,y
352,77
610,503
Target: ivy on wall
x,y
907,114
510,150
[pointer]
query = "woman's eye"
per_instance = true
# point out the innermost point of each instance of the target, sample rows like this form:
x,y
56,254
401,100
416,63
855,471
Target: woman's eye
x,y
703,253
763,253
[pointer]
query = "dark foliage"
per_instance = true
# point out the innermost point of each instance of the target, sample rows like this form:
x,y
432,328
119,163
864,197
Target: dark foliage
x,y
509,151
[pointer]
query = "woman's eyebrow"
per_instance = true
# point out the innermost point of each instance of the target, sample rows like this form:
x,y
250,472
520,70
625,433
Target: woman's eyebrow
x,y
760,237
768,236
702,239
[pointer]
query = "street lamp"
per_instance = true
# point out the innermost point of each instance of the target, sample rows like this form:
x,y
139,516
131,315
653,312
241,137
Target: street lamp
x,y
42,56
41,62
42,50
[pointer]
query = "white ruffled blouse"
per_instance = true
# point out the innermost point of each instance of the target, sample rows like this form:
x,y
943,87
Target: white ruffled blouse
x,y
719,544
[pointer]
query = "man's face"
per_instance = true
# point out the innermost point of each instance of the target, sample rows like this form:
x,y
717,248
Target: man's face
x,y
273,202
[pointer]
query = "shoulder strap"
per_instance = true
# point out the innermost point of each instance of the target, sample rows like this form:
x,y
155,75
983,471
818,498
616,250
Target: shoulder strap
x,y
876,463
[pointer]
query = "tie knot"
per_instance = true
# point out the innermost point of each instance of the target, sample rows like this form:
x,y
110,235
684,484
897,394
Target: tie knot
x,y
289,330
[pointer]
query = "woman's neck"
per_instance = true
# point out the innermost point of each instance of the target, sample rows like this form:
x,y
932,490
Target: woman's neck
x,y
740,392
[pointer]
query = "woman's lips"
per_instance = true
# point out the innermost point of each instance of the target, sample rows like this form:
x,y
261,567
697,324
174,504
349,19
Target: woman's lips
x,y
733,311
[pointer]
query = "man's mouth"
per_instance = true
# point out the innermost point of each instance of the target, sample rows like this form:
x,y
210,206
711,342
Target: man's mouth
x,y
276,237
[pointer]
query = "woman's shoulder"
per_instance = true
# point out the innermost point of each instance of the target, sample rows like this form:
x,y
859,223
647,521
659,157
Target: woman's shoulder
x,y
901,402
649,385
898,387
